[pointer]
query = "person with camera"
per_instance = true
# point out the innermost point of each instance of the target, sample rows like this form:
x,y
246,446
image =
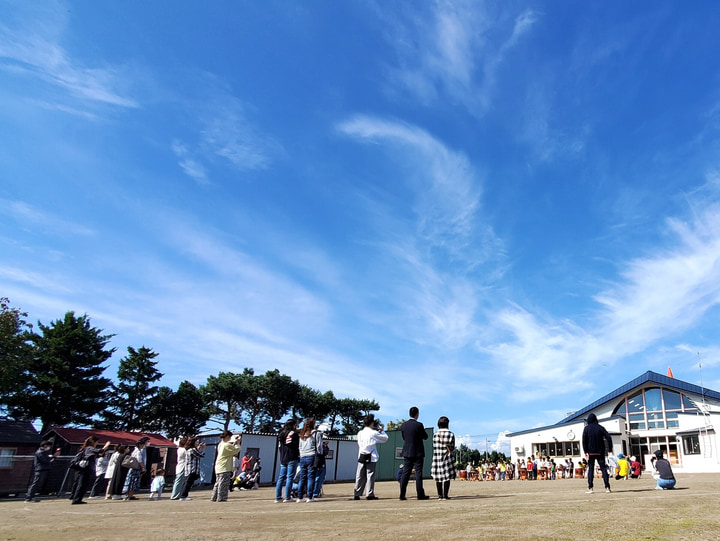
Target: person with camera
x,y
368,438
226,450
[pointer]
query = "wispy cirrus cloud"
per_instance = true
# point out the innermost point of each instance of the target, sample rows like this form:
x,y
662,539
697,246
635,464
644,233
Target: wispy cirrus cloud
x,y
224,134
437,304
31,217
32,47
188,164
656,296
454,51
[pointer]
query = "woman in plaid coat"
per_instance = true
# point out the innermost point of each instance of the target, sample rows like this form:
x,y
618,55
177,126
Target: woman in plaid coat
x,y
443,463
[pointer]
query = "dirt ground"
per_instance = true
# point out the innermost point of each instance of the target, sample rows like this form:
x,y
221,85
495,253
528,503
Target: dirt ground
x,y
557,509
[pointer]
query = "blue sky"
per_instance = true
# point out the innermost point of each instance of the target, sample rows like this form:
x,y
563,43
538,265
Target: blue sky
x,y
497,211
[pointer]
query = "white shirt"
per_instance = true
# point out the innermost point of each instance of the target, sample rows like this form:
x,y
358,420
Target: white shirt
x,y
367,440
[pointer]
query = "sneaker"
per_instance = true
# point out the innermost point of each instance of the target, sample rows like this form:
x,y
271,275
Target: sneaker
x,y
310,500
299,500
186,499
656,488
608,490
277,500
589,491
288,500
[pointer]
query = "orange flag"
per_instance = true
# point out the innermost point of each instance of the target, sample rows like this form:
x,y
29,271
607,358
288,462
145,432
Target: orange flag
x,y
670,374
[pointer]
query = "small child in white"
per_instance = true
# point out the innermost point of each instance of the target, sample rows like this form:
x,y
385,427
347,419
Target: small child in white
x,y
158,482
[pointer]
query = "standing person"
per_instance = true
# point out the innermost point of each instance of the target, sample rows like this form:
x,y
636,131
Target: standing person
x,y
413,452
596,443
132,481
224,465
310,444
289,449
320,468
82,475
367,440
179,483
100,484
667,478
195,451
115,474
41,469
443,464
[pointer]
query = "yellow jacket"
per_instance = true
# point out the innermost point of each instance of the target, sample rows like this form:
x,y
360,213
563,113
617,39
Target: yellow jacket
x,y
225,454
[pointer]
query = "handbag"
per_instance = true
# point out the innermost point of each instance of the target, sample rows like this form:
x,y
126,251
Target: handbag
x,y
364,458
79,461
130,462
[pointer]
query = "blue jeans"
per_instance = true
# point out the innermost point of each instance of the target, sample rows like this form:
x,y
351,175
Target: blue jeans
x,y
666,483
307,476
319,479
285,478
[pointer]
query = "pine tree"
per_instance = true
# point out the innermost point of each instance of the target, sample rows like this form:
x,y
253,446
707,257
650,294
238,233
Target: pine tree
x,y
131,405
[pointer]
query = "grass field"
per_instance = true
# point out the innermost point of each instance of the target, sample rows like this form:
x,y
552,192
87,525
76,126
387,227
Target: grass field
x,y
478,510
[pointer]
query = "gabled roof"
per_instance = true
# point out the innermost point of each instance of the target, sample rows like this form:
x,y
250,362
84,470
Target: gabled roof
x,y
640,381
18,432
79,435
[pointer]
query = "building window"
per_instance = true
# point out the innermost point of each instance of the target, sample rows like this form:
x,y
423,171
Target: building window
x,y
691,445
6,458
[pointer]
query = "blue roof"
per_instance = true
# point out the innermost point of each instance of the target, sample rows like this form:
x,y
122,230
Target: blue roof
x,y
647,377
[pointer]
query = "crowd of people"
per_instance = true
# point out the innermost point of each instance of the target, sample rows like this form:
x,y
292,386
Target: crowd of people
x,y
302,453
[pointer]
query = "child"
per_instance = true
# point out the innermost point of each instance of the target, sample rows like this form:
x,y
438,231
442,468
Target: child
x,y
158,482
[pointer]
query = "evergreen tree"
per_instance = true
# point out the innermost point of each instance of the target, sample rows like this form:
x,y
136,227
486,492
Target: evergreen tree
x,y
15,351
64,378
179,413
132,399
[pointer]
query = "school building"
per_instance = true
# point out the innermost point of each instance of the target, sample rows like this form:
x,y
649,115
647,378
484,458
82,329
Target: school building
x,y
650,412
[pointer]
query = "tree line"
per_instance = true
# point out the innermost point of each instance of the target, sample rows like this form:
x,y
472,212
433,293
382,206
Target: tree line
x,y
56,374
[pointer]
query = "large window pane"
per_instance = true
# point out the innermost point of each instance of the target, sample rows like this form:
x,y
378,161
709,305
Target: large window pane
x,y
672,400
672,419
655,420
637,421
691,445
688,404
653,400
568,448
635,403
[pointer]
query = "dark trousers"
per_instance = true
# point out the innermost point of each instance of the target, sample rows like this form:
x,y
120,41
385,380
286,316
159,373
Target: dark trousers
x,y
80,485
189,481
443,488
38,483
603,469
410,463
99,486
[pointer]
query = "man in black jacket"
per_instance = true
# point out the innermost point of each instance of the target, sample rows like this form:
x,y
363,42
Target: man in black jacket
x,y
41,469
413,432
596,443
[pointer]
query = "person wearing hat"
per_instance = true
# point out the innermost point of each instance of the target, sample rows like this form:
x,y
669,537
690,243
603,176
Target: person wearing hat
x,y
41,469
132,481
623,467
635,468
662,466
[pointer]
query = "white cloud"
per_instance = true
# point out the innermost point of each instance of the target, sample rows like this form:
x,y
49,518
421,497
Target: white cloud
x,y
32,218
191,166
32,47
455,52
